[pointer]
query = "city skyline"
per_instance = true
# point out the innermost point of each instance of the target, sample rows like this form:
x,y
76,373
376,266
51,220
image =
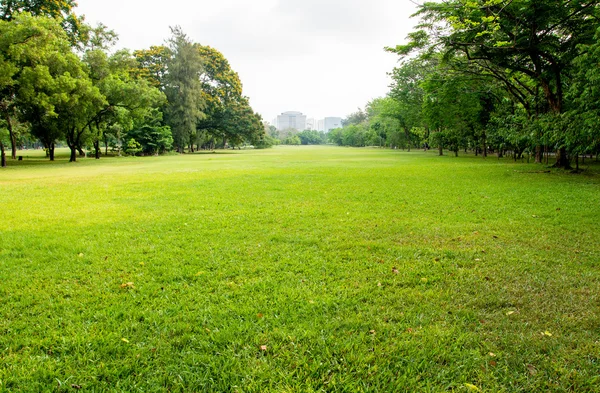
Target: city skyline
x,y
299,121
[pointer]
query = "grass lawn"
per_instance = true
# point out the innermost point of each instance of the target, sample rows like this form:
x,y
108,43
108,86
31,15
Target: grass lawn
x,y
298,269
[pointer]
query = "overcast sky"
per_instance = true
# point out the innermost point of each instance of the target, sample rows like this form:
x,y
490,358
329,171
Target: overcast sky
x,y
319,57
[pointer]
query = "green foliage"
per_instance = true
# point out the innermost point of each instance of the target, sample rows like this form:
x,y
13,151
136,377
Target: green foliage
x,y
312,137
183,88
153,137
132,147
293,140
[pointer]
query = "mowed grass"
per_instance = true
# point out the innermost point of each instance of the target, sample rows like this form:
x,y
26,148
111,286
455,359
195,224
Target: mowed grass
x,y
302,269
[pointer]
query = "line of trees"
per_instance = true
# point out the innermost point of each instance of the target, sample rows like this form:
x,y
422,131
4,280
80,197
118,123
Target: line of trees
x,y
294,137
507,76
61,83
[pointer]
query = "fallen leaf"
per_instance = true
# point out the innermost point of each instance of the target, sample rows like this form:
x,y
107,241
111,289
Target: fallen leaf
x,y
372,331
437,259
75,386
378,284
127,285
394,270
80,255
125,340
477,260
409,330
510,313
472,387
142,264
492,354
547,334
532,370
263,347
259,315
424,280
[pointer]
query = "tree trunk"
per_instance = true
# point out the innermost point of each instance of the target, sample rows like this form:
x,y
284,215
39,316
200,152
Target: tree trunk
x,y
51,151
2,156
562,161
12,136
577,162
538,154
440,150
97,149
73,157
81,152
484,145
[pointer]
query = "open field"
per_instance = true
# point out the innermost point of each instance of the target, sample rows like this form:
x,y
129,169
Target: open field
x,y
298,270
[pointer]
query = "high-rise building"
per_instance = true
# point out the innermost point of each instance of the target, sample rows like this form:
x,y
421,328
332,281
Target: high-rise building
x,y
321,125
311,124
293,120
331,123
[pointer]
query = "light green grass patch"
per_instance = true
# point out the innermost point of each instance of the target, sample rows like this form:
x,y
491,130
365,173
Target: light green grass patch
x,y
299,269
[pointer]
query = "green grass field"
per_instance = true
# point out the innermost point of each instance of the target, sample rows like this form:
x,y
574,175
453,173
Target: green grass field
x,y
308,269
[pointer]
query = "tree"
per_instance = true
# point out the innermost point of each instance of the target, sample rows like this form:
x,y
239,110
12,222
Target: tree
x,y
152,65
60,10
127,98
515,41
183,88
43,78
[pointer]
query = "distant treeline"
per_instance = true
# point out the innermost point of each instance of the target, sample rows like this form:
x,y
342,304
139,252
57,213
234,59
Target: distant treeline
x,y
509,76
60,83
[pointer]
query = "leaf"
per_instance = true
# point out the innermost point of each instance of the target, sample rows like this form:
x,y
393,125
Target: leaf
x,y
76,386
80,255
125,340
259,315
127,285
510,313
472,387
492,354
263,348
379,284
395,270
532,370
372,332
547,334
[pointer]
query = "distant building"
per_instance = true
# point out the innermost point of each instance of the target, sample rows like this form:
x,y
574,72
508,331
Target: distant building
x,y
321,125
332,123
293,120
311,124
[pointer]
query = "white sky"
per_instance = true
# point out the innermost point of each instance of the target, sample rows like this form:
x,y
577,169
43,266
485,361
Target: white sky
x,y
319,57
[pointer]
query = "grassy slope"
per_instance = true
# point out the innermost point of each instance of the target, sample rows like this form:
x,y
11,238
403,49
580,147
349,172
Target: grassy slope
x,y
359,270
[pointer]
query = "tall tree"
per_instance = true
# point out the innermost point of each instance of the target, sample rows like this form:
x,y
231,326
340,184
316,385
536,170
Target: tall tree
x,y
31,48
183,88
